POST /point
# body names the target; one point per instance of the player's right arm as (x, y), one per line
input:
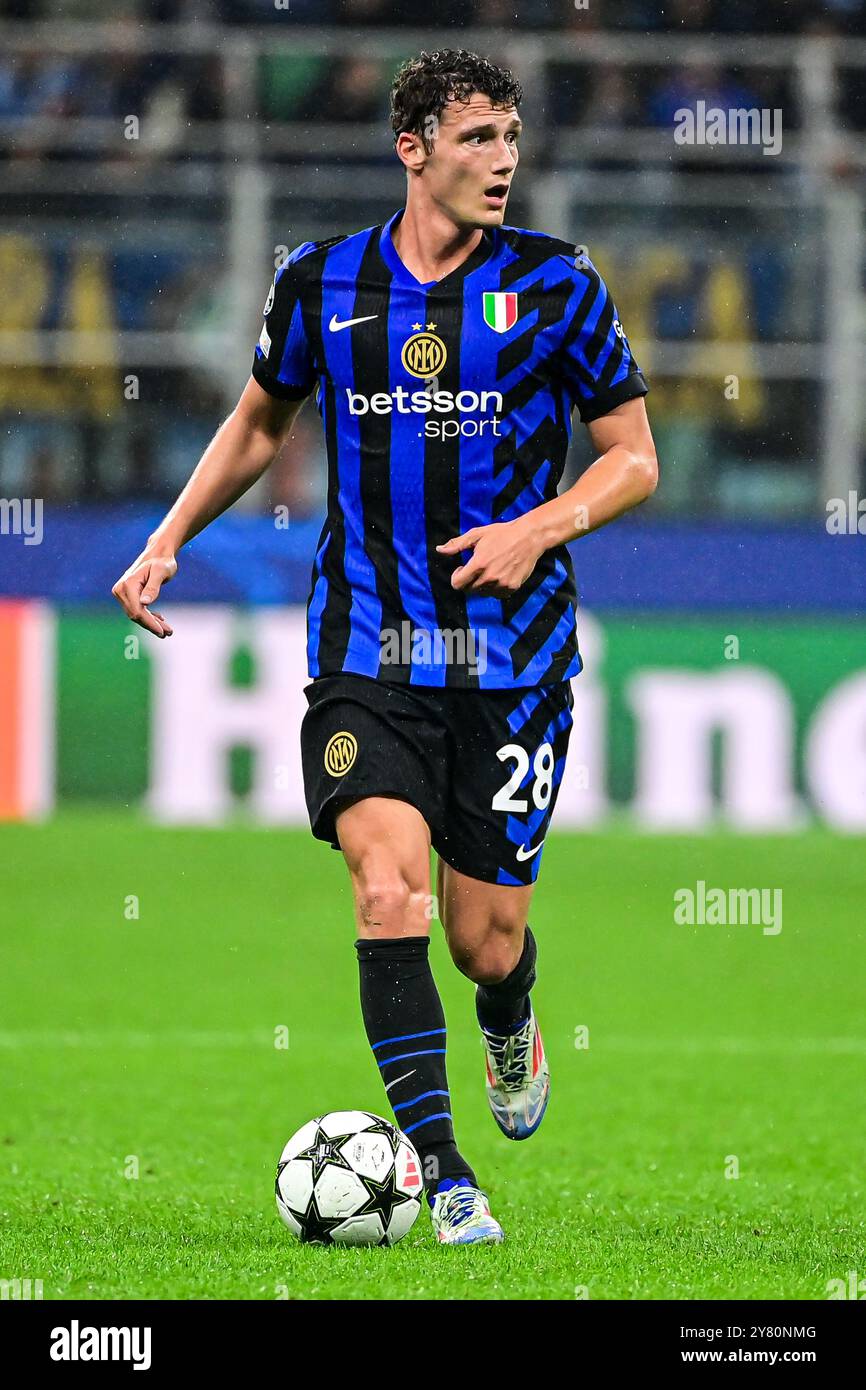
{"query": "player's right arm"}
(239, 453)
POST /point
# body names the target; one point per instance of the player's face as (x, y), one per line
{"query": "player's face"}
(473, 162)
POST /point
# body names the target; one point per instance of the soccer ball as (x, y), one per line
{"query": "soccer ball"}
(349, 1178)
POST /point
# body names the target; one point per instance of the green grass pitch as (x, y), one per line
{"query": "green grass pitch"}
(151, 1041)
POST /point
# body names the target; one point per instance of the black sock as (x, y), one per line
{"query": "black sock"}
(502, 1008)
(406, 1029)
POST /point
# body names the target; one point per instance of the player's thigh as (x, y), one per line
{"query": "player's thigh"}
(361, 739)
(484, 923)
(386, 845)
(507, 760)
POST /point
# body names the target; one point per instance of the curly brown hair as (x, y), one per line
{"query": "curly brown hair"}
(424, 85)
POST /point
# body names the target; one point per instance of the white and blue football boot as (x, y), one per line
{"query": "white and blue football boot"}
(518, 1079)
(461, 1215)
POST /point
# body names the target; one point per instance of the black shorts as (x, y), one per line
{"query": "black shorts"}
(482, 767)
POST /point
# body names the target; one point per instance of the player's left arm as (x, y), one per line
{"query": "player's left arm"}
(625, 473)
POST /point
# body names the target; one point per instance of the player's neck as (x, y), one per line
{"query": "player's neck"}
(430, 245)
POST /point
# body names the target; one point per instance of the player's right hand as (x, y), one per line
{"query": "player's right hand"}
(138, 588)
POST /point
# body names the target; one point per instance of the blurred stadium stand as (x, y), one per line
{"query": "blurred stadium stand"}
(159, 155)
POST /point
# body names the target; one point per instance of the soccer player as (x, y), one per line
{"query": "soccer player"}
(448, 352)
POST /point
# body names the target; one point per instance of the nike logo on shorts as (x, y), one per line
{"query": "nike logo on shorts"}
(524, 853)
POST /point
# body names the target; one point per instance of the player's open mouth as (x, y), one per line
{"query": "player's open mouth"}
(496, 194)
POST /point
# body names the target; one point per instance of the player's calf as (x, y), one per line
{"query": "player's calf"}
(518, 1077)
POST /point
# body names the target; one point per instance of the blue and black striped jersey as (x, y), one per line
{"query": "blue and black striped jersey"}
(445, 406)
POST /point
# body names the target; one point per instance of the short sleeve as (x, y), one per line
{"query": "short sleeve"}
(599, 368)
(283, 363)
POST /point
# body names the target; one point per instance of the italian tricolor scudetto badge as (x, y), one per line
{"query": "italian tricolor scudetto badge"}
(500, 311)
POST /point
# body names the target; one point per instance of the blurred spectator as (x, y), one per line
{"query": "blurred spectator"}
(286, 83)
(600, 96)
(499, 14)
(685, 86)
(613, 104)
(34, 84)
(361, 13)
(354, 91)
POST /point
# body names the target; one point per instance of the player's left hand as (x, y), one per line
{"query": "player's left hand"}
(504, 555)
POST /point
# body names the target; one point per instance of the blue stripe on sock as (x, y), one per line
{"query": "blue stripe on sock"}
(503, 1032)
(407, 1037)
(443, 1115)
(430, 1051)
(415, 1099)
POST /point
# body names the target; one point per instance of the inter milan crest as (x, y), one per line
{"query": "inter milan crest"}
(500, 311)
(424, 355)
(340, 753)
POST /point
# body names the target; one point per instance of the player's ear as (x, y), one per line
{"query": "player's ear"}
(410, 150)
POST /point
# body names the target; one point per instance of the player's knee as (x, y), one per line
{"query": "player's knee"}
(387, 904)
(493, 964)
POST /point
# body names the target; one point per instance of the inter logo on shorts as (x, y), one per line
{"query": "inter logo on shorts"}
(340, 752)
(500, 311)
(424, 354)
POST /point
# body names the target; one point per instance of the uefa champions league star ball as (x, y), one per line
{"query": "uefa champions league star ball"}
(349, 1178)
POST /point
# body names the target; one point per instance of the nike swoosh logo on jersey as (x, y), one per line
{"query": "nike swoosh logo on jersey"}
(524, 853)
(336, 324)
